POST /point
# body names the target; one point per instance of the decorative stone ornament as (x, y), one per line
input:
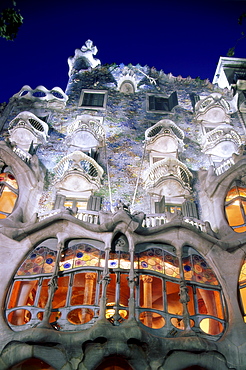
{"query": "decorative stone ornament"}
(83, 58)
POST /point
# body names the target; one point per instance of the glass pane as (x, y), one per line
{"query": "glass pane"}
(79, 255)
(40, 260)
(152, 259)
(111, 289)
(243, 298)
(84, 289)
(242, 192)
(209, 303)
(174, 305)
(68, 204)
(86, 255)
(232, 193)
(125, 261)
(124, 290)
(171, 265)
(113, 261)
(188, 268)
(211, 326)
(23, 293)
(151, 292)
(81, 205)
(242, 276)
(60, 295)
(240, 229)
(32, 364)
(19, 317)
(234, 214)
(201, 272)
(80, 316)
(49, 262)
(43, 294)
(67, 259)
(7, 200)
(9, 179)
(152, 319)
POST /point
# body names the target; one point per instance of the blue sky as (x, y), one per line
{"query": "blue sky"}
(182, 37)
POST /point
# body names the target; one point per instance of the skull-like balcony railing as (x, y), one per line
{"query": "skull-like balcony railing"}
(79, 163)
(162, 128)
(91, 126)
(26, 128)
(219, 135)
(167, 168)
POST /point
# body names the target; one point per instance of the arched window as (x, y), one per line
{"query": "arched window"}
(32, 364)
(160, 277)
(235, 207)
(76, 299)
(114, 363)
(242, 289)
(158, 292)
(8, 193)
(205, 293)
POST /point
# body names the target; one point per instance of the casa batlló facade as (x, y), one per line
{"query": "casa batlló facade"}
(123, 220)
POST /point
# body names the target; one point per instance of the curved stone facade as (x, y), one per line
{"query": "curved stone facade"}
(100, 271)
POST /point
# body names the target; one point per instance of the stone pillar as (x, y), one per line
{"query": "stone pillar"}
(147, 298)
(88, 294)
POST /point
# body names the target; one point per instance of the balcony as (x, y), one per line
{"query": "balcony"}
(222, 141)
(150, 220)
(86, 133)
(78, 172)
(164, 137)
(168, 177)
(26, 129)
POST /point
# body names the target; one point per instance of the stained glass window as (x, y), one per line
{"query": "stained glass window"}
(242, 288)
(197, 269)
(31, 287)
(159, 260)
(235, 208)
(8, 194)
(80, 255)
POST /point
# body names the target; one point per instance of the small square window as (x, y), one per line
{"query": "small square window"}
(93, 99)
(159, 103)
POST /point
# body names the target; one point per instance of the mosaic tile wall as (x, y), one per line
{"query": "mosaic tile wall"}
(125, 120)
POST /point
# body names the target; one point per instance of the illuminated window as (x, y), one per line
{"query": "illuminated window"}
(242, 289)
(76, 299)
(159, 291)
(8, 194)
(235, 208)
(206, 293)
(93, 99)
(31, 364)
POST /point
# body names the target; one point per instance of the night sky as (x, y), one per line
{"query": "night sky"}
(182, 37)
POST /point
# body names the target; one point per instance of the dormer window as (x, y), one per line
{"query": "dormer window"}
(160, 103)
(93, 99)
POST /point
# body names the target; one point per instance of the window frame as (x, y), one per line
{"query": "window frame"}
(94, 107)
(171, 101)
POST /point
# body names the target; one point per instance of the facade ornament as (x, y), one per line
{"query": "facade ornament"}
(26, 131)
(127, 83)
(40, 97)
(86, 54)
(213, 109)
(85, 132)
(152, 80)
